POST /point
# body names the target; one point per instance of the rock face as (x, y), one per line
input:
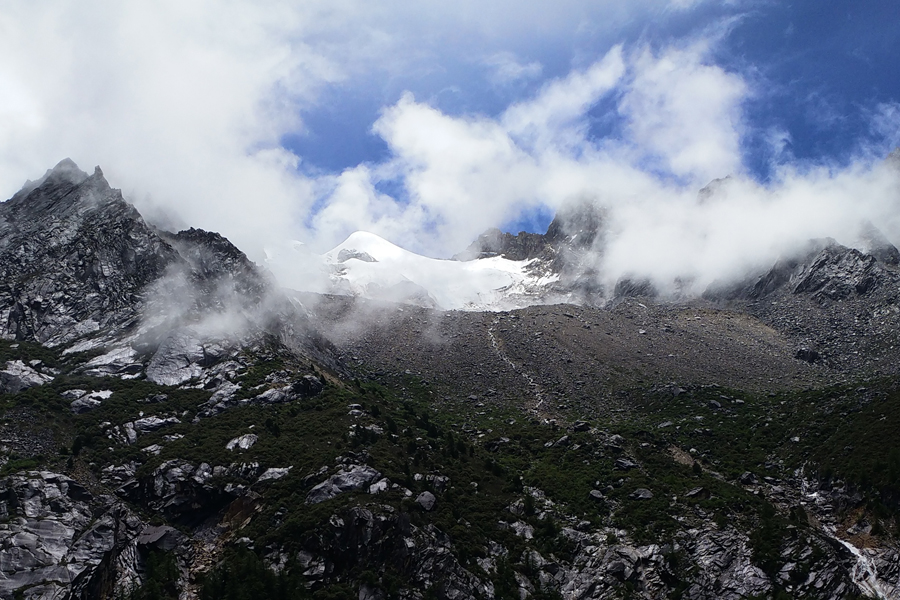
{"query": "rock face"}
(570, 248)
(354, 478)
(78, 262)
(18, 376)
(103, 253)
(374, 536)
(58, 541)
(825, 270)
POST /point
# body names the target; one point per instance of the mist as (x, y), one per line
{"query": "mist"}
(189, 110)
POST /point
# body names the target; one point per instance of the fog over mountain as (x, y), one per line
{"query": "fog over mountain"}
(219, 118)
(459, 301)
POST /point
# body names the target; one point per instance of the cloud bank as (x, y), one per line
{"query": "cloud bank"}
(187, 107)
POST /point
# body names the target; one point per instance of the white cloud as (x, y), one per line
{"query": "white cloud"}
(466, 173)
(686, 112)
(186, 105)
(886, 124)
(506, 69)
(545, 119)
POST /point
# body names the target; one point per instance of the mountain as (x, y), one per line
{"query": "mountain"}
(173, 424)
(498, 271)
(369, 266)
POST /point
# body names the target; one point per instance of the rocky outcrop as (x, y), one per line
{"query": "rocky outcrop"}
(373, 536)
(80, 266)
(102, 254)
(823, 270)
(493, 242)
(58, 541)
(17, 376)
(351, 479)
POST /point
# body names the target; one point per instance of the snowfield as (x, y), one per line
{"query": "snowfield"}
(369, 266)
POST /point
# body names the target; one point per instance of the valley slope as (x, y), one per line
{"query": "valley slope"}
(175, 425)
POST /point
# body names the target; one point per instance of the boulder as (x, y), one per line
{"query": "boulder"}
(641, 494)
(307, 386)
(243, 442)
(625, 464)
(17, 376)
(352, 479)
(274, 473)
(426, 500)
(153, 423)
(807, 355)
(699, 493)
(83, 405)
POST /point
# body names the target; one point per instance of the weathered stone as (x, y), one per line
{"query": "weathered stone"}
(699, 493)
(153, 423)
(625, 464)
(426, 500)
(274, 473)
(352, 479)
(17, 376)
(307, 386)
(641, 494)
(244, 442)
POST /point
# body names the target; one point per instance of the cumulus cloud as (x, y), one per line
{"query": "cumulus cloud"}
(466, 173)
(686, 112)
(187, 107)
(683, 127)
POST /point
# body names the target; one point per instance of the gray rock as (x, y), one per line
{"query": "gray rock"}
(177, 359)
(807, 354)
(83, 405)
(308, 386)
(17, 376)
(641, 494)
(153, 423)
(274, 473)
(354, 478)
(426, 500)
(699, 493)
(244, 442)
(625, 464)
(60, 539)
(274, 396)
(163, 537)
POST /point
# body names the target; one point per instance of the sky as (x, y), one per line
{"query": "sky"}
(428, 122)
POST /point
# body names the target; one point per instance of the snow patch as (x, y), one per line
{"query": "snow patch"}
(369, 266)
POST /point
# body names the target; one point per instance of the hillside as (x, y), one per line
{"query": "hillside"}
(175, 425)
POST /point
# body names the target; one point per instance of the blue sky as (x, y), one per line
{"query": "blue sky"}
(427, 122)
(821, 68)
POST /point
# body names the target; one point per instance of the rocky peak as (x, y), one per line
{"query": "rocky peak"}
(578, 224)
(214, 260)
(74, 257)
(822, 269)
(493, 242)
